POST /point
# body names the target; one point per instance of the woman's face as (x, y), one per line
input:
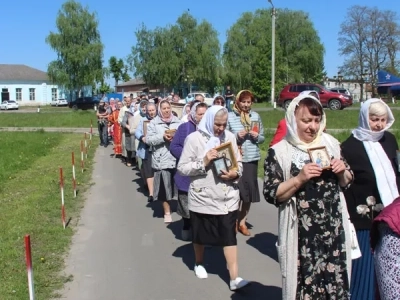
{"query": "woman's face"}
(377, 123)
(245, 104)
(187, 109)
(307, 124)
(219, 101)
(165, 109)
(220, 122)
(200, 111)
(151, 111)
(120, 105)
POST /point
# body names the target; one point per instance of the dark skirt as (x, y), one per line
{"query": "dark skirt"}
(148, 171)
(362, 286)
(248, 183)
(183, 205)
(214, 230)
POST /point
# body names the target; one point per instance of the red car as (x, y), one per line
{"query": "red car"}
(334, 101)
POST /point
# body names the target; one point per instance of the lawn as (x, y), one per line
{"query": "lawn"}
(72, 119)
(30, 204)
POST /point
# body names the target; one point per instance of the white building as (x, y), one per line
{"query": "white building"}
(354, 87)
(26, 85)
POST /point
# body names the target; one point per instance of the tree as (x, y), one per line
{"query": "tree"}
(369, 40)
(78, 47)
(247, 51)
(116, 67)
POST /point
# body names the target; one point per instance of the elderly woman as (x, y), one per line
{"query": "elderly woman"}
(129, 133)
(213, 198)
(313, 239)
(144, 151)
(248, 138)
(371, 153)
(186, 112)
(159, 138)
(136, 120)
(197, 111)
(219, 100)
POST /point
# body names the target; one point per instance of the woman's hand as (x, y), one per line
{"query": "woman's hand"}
(144, 139)
(210, 155)
(308, 172)
(241, 134)
(338, 166)
(167, 137)
(253, 134)
(231, 175)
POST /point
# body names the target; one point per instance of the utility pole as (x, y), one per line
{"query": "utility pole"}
(273, 14)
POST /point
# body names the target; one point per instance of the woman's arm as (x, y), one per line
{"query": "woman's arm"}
(152, 137)
(191, 162)
(139, 131)
(176, 146)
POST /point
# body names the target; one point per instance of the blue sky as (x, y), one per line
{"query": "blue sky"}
(25, 24)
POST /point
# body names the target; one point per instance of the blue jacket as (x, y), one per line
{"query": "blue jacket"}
(182, 182)
(142, 147)
(250, 149)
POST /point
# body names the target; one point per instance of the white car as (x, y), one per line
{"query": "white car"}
(208, 99)
(59, 102)
(10, 104)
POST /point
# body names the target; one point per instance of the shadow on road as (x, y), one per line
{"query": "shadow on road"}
(265, 243)
(258, 291)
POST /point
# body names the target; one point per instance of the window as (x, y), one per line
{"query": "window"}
(18, 94)
(302, 88)
(314, 88)
(32, 94)
(53, 94)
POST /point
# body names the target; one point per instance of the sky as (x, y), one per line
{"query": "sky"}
(24, 24)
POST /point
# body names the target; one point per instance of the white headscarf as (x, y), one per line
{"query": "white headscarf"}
(207, 126)
(383, 169)
(308, 92)
(292, 135)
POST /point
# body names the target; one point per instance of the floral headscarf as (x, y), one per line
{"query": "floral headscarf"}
(164, 119)
(244, 116)
(192, 114)
(147, 106)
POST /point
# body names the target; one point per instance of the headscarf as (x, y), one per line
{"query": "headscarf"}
(184, 113)
(244, 116)
(147, 106)
(166, 120)
(308, 92)
(143, 114)
(363, 132)
(206, 126)
(112, 104)
(384, 174)
(192, 114)
(292, 135)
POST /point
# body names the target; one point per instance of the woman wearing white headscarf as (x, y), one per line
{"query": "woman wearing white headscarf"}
(213, 198)
(313, 239)
(185, 113)
(371, 154)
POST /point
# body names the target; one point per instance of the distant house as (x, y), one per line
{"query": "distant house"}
(136, 86)
(26, 85)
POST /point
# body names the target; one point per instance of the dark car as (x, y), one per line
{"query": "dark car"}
(84, 103)
(328, 98)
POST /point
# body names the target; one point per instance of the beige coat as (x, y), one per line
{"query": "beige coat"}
(208, 194)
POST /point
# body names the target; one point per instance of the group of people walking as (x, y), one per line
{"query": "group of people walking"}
(339, 232)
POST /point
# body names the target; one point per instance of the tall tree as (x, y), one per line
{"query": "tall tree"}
(116, 67)
(369, 40)
(78, 47)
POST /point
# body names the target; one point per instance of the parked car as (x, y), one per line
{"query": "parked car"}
(333, 100)
(208, 99)
(59, 102)
(9, 104)
(84, 103)
(341, 90)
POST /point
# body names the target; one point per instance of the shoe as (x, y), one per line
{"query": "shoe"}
(244, 230)
(185, 235)
(238, 283)
(167, 218)
(200, 272)
(128, 165)
(150, 199)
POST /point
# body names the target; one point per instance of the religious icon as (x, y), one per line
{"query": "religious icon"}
(320, 156)
(226, 151)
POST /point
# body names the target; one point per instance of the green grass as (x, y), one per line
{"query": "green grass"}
(72, 119)
(46, 108)
(30, 204)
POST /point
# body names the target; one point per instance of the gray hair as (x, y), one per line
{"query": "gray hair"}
(222, 112)
(378, 109)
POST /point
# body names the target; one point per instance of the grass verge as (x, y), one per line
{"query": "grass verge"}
(30, 203)
(72, 119)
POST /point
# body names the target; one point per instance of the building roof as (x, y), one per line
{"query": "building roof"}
(134, 81)
(21, 73)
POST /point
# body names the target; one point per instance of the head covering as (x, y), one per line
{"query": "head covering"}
(192, 114)
(143, 114)
(147, 107)
(308, 92)
(363, 132)
(292, 135)
(384, 174)
(244, 116)
(184, 113)
(219, 96)
(206, 126)
(166, 120)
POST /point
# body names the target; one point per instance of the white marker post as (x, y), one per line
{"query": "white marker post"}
(28, 257)
(82, 163)
(73, 174)
(86, 146)
(62, 198)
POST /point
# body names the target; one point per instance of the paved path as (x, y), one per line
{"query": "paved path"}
(123, 251)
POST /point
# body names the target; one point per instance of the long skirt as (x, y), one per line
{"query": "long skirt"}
(214, 230)
(248, 183)
(362, 286)
(123, 145)
(183, 205)
(387, 263)
(117, 139)
(164, 184)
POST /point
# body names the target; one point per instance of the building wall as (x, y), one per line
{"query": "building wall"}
(353, 87)
(43, 92)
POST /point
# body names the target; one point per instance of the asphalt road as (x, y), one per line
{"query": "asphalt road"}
(122, 250)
